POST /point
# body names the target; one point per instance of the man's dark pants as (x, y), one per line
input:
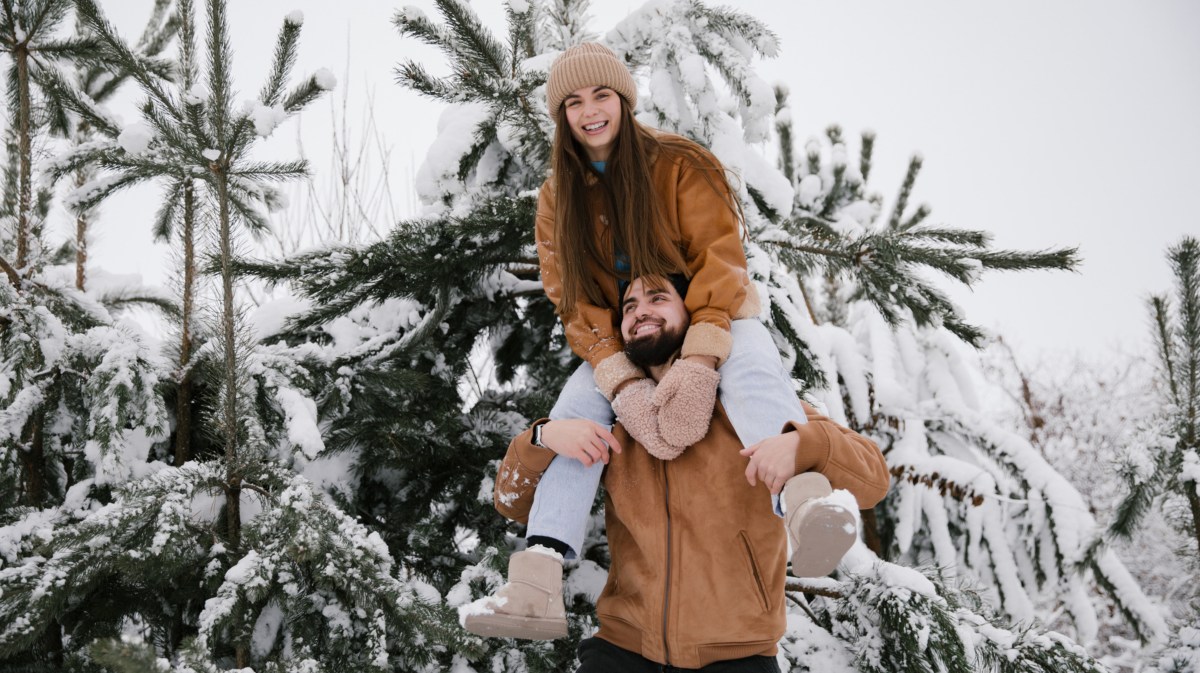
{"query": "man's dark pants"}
(600, 656)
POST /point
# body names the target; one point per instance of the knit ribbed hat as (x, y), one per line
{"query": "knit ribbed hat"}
(588, 64)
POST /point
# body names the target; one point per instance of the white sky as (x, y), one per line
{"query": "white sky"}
(1072, 122)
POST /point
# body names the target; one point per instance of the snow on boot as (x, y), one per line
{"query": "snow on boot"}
(820, 532)
(529, 606)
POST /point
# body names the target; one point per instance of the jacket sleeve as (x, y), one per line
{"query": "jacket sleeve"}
(590, 330)
(720, 288)
(519, 474)
(846, 458)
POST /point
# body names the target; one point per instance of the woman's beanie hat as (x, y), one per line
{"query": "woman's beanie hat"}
(588, 64)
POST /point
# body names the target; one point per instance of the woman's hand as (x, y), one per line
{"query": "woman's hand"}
(685, 397)
(581, 439)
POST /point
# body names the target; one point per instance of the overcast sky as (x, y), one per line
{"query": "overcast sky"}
(1048, 123)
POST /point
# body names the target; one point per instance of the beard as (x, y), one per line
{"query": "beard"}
(655, 349)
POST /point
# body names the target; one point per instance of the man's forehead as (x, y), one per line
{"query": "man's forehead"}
(638, 287)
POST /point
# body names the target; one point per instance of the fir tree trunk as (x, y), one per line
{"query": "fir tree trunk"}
(33, 460)
(233, 493)
(183, 403)
(81, 227)
(229, 410)
(25, 150)
(1194, 501)
(52, 646)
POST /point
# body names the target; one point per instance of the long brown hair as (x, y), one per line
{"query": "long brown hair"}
(634, 211)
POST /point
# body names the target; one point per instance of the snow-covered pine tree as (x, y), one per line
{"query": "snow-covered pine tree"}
(1161, 467)
(79, 405)
(233, 558)
(446, 346)
(971, 496)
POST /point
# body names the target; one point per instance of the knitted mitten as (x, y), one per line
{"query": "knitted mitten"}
(635, 410)
(685, 398)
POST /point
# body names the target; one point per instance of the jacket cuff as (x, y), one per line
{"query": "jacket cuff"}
(707, 339)
(533, 458)
(812, 455)
(751, 306)
(613, 371)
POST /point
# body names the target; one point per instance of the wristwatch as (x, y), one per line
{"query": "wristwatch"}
(537, 436)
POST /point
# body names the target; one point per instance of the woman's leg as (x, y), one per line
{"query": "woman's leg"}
(563, 499)
(755, 389)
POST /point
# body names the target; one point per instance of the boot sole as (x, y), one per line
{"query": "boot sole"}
(826, 541)
(512, 626)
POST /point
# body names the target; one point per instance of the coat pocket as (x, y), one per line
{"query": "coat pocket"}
(756, 574)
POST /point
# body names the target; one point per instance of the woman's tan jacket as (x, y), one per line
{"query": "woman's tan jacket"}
(705, 227)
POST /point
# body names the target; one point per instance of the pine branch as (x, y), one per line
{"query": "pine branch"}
(116, 49)
(1160, 308)
(1142, 490)
(303, 94)
(281, 66)
(412, 22)
(914, 167)
(865, 154)
(1185, 264)
(69, 97)
(271, 170)
(13, 276)
(783, 128)
(477, 50)
(125, 299)
(967, 237)
(414, 76)
(219, 84)
(168, 210)
(82, 49)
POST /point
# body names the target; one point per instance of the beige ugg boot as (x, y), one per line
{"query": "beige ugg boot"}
(529, 606)
(820, 532)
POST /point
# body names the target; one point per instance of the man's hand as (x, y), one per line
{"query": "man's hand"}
(685, 399)
(581, 439)
(772, 461)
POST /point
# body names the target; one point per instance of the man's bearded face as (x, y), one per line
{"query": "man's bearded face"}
(653, 322)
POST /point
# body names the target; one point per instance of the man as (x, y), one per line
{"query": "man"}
(698, 555)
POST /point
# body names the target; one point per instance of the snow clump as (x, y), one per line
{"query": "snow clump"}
(325, 79)
(295, 18)
(266, 118)
(135, 138)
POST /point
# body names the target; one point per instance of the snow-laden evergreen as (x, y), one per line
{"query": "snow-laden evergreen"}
(307, 486)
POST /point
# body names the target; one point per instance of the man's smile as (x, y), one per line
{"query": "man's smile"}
(647, 326)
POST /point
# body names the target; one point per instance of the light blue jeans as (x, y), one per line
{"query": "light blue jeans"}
(755, 390)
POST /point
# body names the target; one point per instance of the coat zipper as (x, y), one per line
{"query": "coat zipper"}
(667, 590)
